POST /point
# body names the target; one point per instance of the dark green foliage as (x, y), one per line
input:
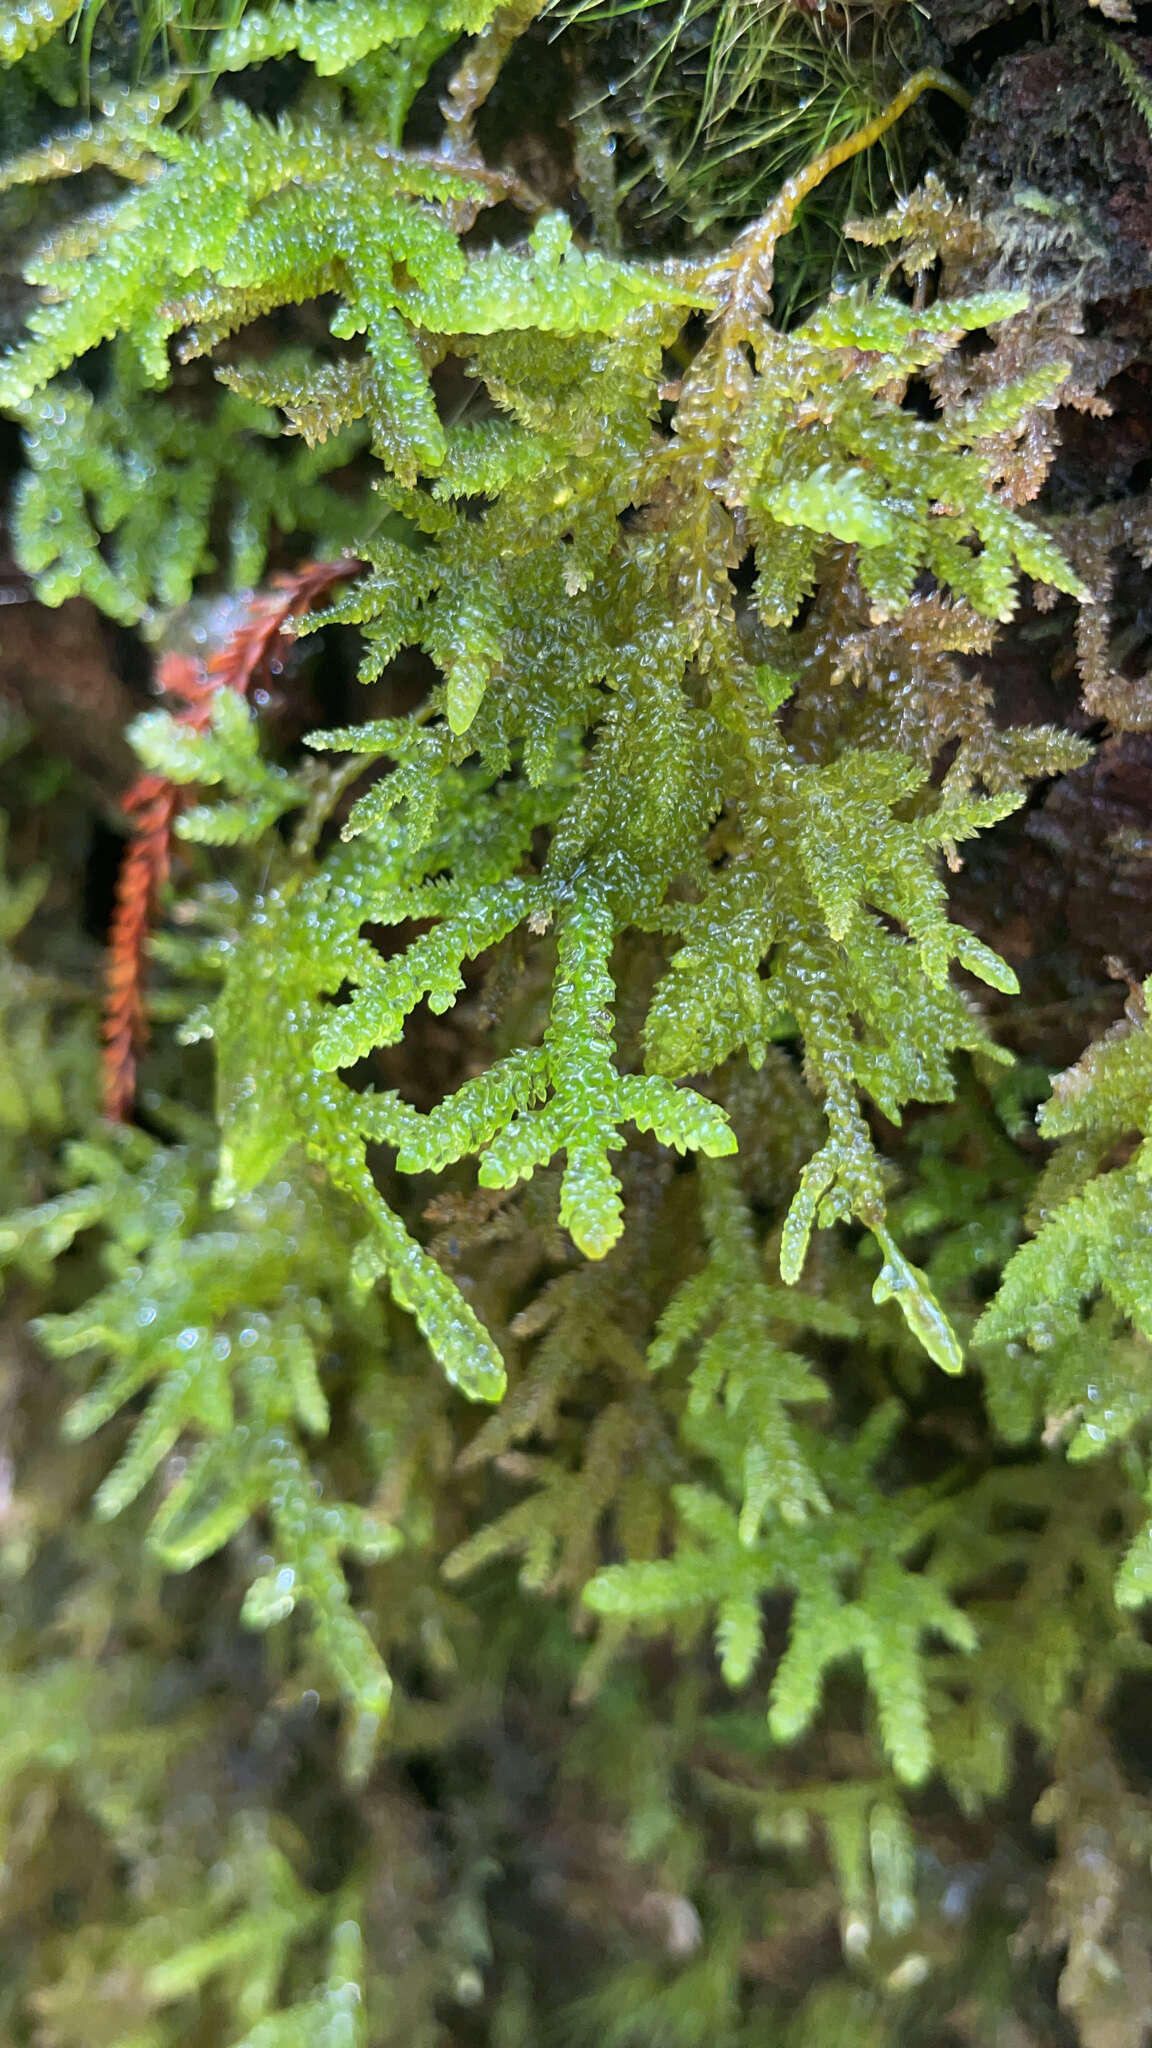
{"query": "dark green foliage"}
(594, 1039)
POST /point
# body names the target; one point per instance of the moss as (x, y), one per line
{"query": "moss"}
(583, 1486)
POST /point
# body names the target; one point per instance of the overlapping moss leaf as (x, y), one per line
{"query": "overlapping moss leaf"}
(226, 1328)
(659, 851)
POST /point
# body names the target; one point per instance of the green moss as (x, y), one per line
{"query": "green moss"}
(562, 1482)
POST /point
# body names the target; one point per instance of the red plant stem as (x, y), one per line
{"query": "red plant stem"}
(153, 805)
(248, 650)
